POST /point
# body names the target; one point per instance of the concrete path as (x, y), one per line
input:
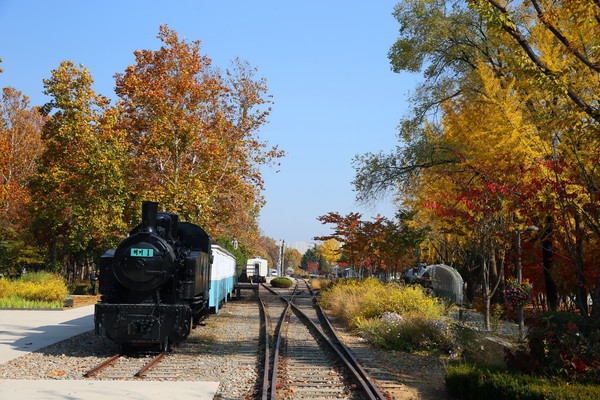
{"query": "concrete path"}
(24, 331)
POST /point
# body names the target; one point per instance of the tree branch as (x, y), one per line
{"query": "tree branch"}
(514, 32)
(594, 66)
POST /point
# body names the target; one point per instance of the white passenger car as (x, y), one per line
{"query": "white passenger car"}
(257, 269)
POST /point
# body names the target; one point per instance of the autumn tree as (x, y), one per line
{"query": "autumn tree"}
(506, 118)
(78, 189)
(20, 145)
(269, 249)
(379, 246)
(540, 29)
(291, 259)
(346, 230)
(330, 250)
(555, 47)
(400, 239)
(192, 130)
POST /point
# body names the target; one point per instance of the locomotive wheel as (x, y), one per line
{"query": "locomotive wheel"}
(182, 331)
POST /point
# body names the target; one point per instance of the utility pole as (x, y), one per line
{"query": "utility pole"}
(280, 265)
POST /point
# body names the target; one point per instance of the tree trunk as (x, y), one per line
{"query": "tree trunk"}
(485, 274)
(581, 290)
(496, 295)
(548, 262)
(470, 281)
(595, 314)
(486, 295)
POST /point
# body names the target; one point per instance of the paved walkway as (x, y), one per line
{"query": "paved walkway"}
(24, 331)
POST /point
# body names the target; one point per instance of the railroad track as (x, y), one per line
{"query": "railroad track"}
(119, 366)
(307, 360)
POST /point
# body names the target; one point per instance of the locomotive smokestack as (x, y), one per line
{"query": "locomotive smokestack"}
(149, 211)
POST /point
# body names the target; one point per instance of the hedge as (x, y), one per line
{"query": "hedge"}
(469, 382)
(282, 282)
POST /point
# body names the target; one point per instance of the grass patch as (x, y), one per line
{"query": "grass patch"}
(35, 290)
(19, 302)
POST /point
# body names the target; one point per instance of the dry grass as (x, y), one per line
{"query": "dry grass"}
(82, 301)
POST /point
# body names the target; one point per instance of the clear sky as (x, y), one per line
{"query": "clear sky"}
(325, 63)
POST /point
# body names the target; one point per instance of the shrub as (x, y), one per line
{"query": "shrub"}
(282, 282)
(320, 283)
(38, 286)
(390, 315)
(467, 381)
(38, 277)
(353, 301)
(561, 344)
(415, 332)
(78, 288)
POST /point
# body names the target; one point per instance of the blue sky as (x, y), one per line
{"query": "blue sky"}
(325, 63)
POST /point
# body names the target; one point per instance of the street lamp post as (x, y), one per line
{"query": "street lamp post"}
(519, 274)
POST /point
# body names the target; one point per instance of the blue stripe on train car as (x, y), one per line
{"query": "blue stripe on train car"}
(221, 291)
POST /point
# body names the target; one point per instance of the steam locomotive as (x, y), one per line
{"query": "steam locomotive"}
(161, 281)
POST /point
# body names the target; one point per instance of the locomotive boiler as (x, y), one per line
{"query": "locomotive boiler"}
(161, 281)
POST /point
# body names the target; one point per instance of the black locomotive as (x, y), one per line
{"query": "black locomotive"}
(155, 284)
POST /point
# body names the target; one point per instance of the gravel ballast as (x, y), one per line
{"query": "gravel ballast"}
(223, 348)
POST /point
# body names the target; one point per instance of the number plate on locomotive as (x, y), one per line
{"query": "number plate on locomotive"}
(142, 253)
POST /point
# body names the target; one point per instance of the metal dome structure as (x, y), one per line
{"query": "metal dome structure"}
(446, 282)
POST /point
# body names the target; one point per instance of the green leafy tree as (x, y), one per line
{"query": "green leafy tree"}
(309, 256)
(78, 190)
(240, 252)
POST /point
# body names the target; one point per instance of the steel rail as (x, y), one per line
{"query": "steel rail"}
(142, 372)
(323, 317)
(278, 336)
(267, 329)
(352, 365)
(101, 366)
(272, 383)
(349, 365)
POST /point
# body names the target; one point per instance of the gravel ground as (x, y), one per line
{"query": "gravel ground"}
(222, 349)
(475, 321)
(400, 375)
